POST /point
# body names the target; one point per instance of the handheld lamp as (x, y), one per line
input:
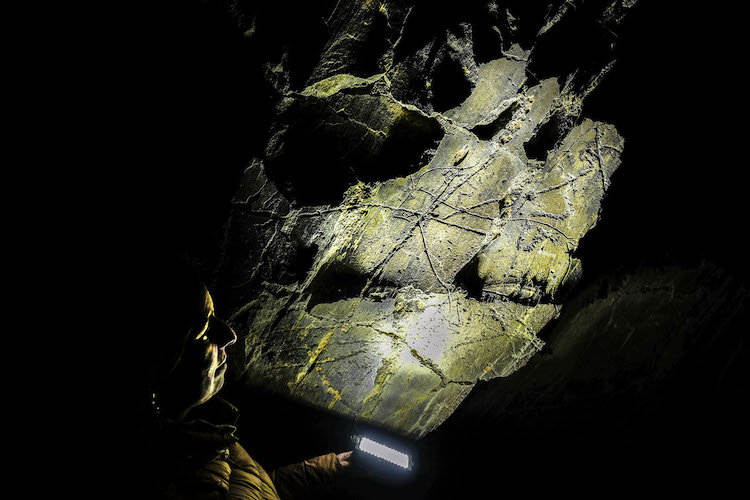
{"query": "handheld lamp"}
(383, 452)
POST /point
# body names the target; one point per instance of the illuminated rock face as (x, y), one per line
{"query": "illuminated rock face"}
(410, 231)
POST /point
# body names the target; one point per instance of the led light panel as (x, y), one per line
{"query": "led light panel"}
(383, 452)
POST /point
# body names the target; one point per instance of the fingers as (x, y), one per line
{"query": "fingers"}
(345, 458)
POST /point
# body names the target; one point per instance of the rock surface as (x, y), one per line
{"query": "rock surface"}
(624, 339)
(413, 221)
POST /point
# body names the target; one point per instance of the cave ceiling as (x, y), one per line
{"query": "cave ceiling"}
(411, 220)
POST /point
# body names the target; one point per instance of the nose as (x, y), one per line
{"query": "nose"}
(221, 333)
(227, 336)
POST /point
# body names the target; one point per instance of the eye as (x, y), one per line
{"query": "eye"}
(203, 335)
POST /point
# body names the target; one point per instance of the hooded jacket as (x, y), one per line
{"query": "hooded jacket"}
(203, 460)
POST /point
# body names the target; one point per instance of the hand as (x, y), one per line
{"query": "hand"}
(345, 459)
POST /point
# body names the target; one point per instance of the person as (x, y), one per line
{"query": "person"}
(191, 448)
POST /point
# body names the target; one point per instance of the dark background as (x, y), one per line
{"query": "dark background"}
(674, 94)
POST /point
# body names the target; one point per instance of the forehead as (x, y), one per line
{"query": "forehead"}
(207, 305)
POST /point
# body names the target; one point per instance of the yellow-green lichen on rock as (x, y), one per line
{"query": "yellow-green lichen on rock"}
(386, 256)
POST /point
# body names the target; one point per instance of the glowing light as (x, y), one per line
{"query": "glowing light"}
(384, 452)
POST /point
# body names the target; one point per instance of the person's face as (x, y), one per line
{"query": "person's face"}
(200, 372)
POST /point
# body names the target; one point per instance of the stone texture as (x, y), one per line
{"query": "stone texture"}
(627, 343)
(413, 222)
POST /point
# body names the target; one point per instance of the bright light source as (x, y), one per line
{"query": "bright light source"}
(383, 452)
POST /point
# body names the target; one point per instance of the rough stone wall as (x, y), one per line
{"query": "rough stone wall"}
(644, 368)
(620, 342)
(412, 223)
